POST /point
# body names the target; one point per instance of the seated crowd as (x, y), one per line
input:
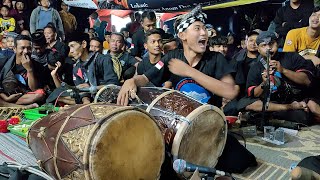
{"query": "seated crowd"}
(33, 66)
(37, 68)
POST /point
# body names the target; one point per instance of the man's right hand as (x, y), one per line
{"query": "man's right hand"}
(26, 62)
(264, 74)
(129, 88)
(11, 98)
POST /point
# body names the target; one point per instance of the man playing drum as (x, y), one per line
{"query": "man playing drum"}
(200, 74)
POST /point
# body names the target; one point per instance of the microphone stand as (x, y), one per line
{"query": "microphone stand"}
(74, 94)
(267, 94)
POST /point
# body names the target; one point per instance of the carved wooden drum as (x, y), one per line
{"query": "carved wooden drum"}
(193, 131)
(98, 141)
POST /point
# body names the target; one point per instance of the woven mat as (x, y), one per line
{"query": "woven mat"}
(12, 148)
(275, 161)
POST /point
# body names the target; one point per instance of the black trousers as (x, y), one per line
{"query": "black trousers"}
(312, 163)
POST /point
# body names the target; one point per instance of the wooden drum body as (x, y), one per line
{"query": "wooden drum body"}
(193, 131)
(98, 141)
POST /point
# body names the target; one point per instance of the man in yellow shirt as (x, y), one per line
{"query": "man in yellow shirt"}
(306, 40)
(106, 45)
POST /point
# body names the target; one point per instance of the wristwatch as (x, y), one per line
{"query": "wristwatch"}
(263, 85)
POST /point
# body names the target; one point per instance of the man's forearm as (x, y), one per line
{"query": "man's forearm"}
(140, 80)
(258, 91)
(297, 77)
(220, 88)
(32, 82)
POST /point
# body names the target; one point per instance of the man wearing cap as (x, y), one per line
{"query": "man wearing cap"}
(290, 77)
(201, 74)
(90, 69)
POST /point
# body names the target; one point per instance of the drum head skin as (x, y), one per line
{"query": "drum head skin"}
(202, 140)
(127, 146)
(98, 141)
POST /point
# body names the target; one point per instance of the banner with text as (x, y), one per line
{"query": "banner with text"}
(169, 5)
(81, 3)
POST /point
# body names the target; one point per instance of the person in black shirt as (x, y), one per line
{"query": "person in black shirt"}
(153, 44)
(244, 59)
(26, 71)
(241, 62)
(124, 64)
(95, 45)
(219, 44)
(200, 74)
(53, 42)
(90, 69)
(290, 76)
(148, 22)
(291, 16)
(192, 70)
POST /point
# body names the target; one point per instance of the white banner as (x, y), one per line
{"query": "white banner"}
(81, 3)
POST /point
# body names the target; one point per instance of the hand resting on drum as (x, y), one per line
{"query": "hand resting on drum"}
(129, 89)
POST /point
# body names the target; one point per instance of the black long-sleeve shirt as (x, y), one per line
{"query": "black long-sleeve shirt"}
(138, 42)
(293, 18)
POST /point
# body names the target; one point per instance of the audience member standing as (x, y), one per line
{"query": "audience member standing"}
(44, 14)
(148, 22)
(291, 16)
(134, 25)
(22, 16)
(69, 20)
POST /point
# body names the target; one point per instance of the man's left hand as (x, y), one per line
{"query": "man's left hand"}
(276, 65)
(180, 68)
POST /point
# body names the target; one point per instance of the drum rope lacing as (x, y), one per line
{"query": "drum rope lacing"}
(169, 115)
(133, 95)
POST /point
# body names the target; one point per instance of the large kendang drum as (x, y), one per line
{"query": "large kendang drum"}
(98, 141)
(192, 131)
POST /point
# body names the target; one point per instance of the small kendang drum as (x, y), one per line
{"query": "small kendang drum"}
(193, 131)
(98, 141)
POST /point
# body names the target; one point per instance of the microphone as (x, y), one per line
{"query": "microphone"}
(268, 53)
(91, 89)
(181, 166)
